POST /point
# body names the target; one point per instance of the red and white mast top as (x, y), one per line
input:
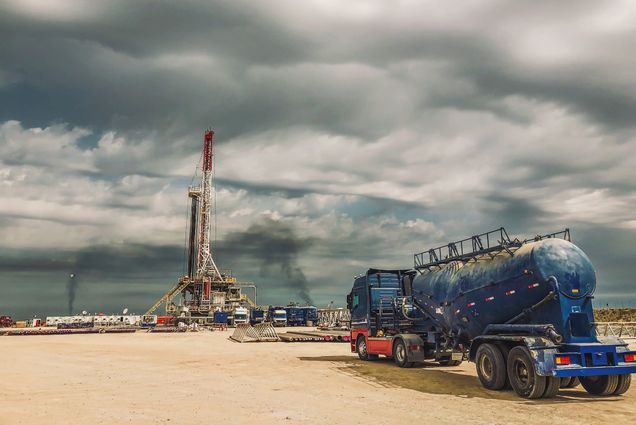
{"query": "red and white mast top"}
(205, 263)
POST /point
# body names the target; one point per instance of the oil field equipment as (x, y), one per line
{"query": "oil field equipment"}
(205, 289)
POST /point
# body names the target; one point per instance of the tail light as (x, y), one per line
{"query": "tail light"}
(630, 358)
(414, 347)
(562, 360)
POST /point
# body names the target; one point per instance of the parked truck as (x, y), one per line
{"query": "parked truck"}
(257, 315)
(241, 316)
(310, 315)
(295, 316)
(277, 316)
(521, 310)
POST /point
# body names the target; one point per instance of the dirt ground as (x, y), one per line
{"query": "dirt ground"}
(204, 378)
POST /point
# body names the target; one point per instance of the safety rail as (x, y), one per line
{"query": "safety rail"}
(617, 329)
(490, 243)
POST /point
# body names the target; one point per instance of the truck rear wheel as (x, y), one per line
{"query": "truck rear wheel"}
(624, 381)
(523, 378)
(491, 367)
(400, 355)
(600, 385)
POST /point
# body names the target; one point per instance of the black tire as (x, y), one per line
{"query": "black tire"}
(400, 356)
(491, 367)
(361, 348)
(505, 349)
(523, 378)
(552, 386)
(600, 385)
(449, 362)
(570, 382)
(624, 381)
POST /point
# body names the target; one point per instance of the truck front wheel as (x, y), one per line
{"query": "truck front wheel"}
(523, 378)
(399, 354)
(491, 367)
(600, 385)
(361, 348)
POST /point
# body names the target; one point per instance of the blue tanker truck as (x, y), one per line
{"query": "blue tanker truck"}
(521, 310)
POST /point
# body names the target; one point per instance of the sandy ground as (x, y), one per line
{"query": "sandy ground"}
(203, 378)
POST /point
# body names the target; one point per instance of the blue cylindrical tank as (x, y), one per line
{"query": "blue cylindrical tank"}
(464, 298)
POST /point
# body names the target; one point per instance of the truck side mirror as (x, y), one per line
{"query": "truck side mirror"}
(349, 302)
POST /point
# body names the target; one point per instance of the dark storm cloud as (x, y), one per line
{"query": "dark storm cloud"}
(171, 68)
(96, 270)
(516, 214)
(99, 261)
(276, 246)
(457, 120)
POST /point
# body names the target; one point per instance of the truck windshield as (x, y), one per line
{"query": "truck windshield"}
(280, 315)
(240, 316)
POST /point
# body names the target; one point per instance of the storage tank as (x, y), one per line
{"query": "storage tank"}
(464, 297)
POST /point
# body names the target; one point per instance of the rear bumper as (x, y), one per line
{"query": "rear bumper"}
(576, 370)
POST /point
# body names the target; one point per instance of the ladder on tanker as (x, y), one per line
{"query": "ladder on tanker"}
(484, 244)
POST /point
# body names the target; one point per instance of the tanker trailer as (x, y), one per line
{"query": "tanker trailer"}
(521, 310)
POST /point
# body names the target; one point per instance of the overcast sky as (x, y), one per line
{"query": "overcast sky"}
(350, 134)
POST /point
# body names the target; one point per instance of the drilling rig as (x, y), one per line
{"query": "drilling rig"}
(204, 289)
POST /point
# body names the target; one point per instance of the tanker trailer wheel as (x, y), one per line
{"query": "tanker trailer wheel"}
(624, 381)
(523, 378)
(399, 354)
(552, 385)
(491, 367)
(571, 382)
(600, 385)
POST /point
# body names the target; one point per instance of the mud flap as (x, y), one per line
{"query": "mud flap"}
(542, 351)
(412, 341)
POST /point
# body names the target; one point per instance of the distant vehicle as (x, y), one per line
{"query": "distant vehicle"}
(278, 317)
(241, 316)
(310, 315)
(34, 323)
(149, 321)
(257, 315)
(6, 322)
(220, 317)
(295, 316)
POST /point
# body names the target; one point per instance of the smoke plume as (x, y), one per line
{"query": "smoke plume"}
(71, 286)
(276, 246)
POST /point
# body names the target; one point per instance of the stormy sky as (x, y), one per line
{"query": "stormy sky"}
(350, 134)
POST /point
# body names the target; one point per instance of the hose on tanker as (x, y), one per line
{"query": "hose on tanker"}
(446, 331)
(552, 295)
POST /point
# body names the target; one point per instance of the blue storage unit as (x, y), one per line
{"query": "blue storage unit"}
(220, 317)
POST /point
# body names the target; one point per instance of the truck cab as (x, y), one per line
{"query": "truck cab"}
(384, 323)
(279, 317)
(241, 316)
